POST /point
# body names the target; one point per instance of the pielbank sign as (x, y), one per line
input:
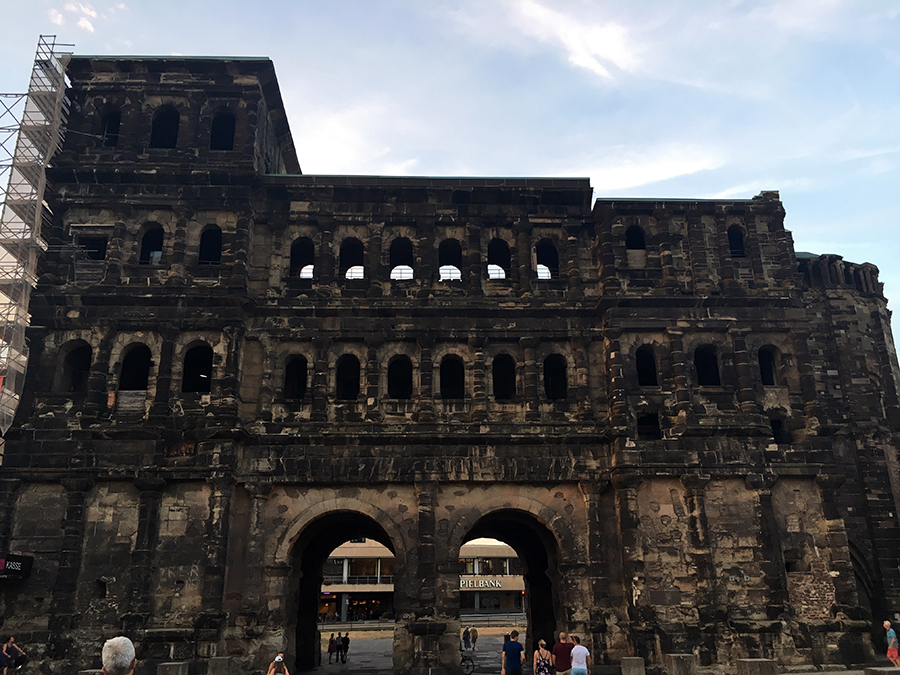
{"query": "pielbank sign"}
(15, 566)
(488, 583)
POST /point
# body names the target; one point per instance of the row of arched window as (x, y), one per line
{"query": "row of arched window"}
(165, 125)
(636, 240)
(706, 366)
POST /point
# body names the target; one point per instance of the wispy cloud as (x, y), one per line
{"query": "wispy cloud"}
(55, 17)
(84, 24)
(80, 8)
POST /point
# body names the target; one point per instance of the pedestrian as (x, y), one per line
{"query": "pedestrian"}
(511, 657)
(581, 657)
(331, 647)
(473, 635)
(892, 653)
(562, 655)
(467, 644)
(346, 647)
(541, 664)
(117, 656)
(338, 647)
(277, 666)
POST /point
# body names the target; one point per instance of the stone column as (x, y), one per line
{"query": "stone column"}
(606, 252)
(145, 546)
(530, 370)
(841, 567)
(626, 484)
(374, 274)
(479, 379)
(179, 246)
(63, 608)
(573, 271)
(680, 379)
(255, 559)
(618, 402)
(699, 264)
(472, 259)
(597, 600)
(164, 379)
(426, 380)
(523, 249)
(667, 258)
(582, 378)
(325, 257)
(320, 381)
(217, 545)
(726, 261)
(9, 493)
(770, 543)
(699, 549)
(97, 399)
(373, 371)
(746, 394)
(115, 253)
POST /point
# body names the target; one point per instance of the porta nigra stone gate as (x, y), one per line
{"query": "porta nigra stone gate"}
(686, 429)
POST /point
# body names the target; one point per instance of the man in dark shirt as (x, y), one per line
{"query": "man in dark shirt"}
(511, 657)
(562, 655)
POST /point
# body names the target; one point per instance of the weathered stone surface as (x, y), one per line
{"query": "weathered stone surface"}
(681, 664)
(757, 667)
(173, 668)
(632, 665)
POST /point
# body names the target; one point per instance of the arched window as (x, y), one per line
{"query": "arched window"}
(450, 260)
(164, 133)
(221, 135)
(767, 368)
(210, 246)
(453, 378)
(498, 259)
(352, 259)
(634, 239)
(151, 246)
(503, 374)
(645, 361)
(347, 378)
(197, 376)
(109, 128)
(295, 378)
(402, 260)
(547, 260)
(736, 241)
(848, 275)
(707, 366)
(303, 256)
(648, 428)
(76, 368)
(135, 369)
(555, 378)
(780, 431)
(400, 378)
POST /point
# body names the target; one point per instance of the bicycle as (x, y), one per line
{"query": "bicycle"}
(466, 663)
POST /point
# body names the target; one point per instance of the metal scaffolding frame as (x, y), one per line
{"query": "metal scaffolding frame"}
(31, 131)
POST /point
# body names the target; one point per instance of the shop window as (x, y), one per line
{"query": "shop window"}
(401, 259)
(76, 368)
(347, 378)
(135, 369)
(210, 246)
(164, 133)
(555, 379)
(109, 128)
(450, 260)
(767, 366)
(400, 378)
(547, 260)
(736, 241)
(352, 259)
(151, 247)
(303, 254)
(499, 263)
(645, 362)
(503, 375)
(648, 428)
(295, 377)
(453, 378)
(707, 365)
(94, 248)
(634, 239)
(221, 136)
(197, 376)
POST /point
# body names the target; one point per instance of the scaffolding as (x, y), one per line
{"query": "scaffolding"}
(31, 131)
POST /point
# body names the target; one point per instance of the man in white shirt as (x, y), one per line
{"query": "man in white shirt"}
(581, 657)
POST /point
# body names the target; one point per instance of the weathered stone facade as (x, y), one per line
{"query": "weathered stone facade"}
(686, 430)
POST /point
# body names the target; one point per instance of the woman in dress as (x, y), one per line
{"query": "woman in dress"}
(541, 663)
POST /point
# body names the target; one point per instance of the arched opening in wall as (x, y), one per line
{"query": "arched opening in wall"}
(295, 378)
(767, 366)
(197, 376)
(707, 366)
(303, 257)
(858, 281)
(109, 128)
(135, 371)
(503, 377)
(499, 261)
(848, 275)
(352, 259)
(221, 133)
(736, 241)
(453, 378)
(645, 362)
(210, 252)
(151, 246)
(400, 378)
(529, 583)
(636, 247)
(401, 259)
(450, 260)
(76, 367)
(339, 550)
(780, 430)
(347, 378)
(164, 132)
(547, 260)
(556, 382)
(869, 594)
(648, 427)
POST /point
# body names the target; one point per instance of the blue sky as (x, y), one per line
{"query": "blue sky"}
(668, 98)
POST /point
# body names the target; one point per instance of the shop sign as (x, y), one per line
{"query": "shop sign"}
(480, 583)
(15, 566)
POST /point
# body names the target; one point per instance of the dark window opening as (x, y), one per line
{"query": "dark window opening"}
(151, 247)
(210, 247)
(503, 374)
(94, 247)
(767, 366)
(164, 133)
(303, 255)
(453, 378)
(634, 239)
(450, 260)
(848, 276)
(499, 262)
(401, 259)
(75, 370)
(352, 259)
(707, 366)
(400, 378)
(347, 378)
(295, 378)
(99, 589)
(648, 428)
(547, 260)
(135, 369)
(555, 380)
(109, 129)
(736, 241)
(221, 135)
(780, 432)
(645, 362)
(198, 364)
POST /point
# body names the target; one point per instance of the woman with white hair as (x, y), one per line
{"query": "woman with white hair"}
(118, 656)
